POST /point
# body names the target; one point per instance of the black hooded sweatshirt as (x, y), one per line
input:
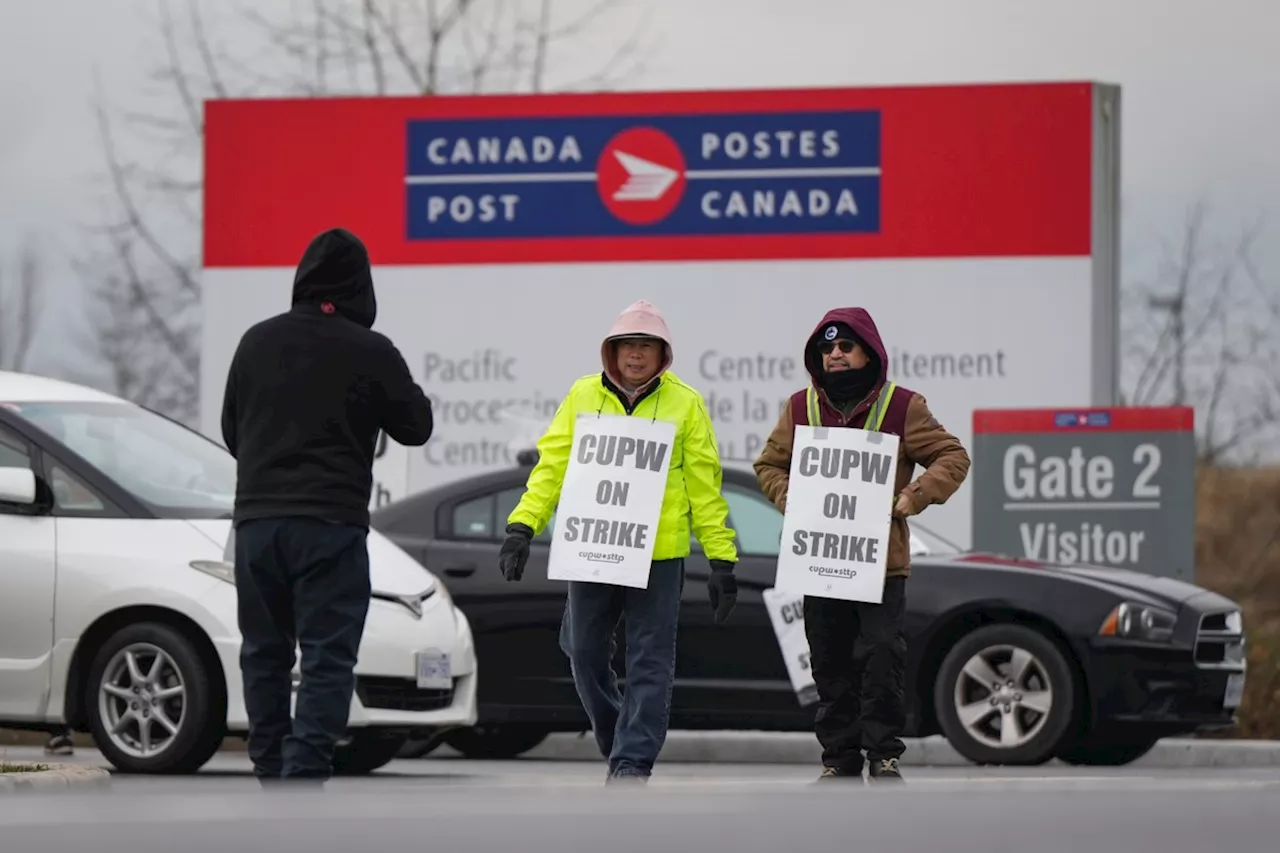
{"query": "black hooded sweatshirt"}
(309, 389)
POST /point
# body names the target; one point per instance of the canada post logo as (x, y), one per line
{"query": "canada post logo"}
(1069, 420)
(746, 174)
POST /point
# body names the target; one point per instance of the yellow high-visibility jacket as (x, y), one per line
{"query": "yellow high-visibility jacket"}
(692, 497)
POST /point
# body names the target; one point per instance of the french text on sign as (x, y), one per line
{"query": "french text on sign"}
(611, 500)
(837, 522)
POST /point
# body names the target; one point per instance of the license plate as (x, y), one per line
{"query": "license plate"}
(1235, 691)
(434, 672)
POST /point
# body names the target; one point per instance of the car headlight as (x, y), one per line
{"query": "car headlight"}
(1139, 622)
(219, 569)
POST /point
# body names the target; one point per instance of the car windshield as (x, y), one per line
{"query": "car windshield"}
(176, 472)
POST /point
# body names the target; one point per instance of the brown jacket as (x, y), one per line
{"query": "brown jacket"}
(924, 442)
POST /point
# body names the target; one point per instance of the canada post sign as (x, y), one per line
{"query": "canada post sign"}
(703, 175)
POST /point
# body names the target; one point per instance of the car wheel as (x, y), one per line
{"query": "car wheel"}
(151, 702)
(1106, 748)
(365, 750)
(420, 744)
(1005, 695)
(495, 742)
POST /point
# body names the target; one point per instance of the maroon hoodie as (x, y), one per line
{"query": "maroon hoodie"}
(924, 441)
(865, 328)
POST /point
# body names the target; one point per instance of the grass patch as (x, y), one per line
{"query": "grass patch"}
(1238, 555)
(22, 768)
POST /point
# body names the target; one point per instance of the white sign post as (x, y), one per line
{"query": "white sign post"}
(611, 500)
(786, 612)
(835, 534)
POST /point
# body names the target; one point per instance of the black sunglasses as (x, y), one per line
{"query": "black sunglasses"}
(845, 346)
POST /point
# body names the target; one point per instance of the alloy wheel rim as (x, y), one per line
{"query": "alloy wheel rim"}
(1003, 696)
(142, 700)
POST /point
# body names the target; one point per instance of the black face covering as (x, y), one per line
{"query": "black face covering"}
(850, 386)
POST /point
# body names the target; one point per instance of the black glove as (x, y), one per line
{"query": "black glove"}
(515, 551)
(723, 589)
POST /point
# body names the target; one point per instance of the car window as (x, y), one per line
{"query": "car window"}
(473, 519)
(13, 454)
(505, 501)
(175, 471)
(13, 450)
(485, 516)
(757, 522)
(71, 496)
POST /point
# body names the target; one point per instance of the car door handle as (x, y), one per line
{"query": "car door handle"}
(461, 571)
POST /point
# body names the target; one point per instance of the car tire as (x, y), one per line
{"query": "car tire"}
(176, 686)
(1040, 702)
(365, 750)
(495, 742)
(1106, 748)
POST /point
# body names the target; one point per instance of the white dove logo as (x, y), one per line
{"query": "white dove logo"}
(646, 180)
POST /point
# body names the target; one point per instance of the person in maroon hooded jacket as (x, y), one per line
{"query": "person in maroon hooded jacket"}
(862, 700)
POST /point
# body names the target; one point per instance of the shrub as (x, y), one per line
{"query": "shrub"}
(1238, 555)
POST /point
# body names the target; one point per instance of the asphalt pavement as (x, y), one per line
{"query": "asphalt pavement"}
(532, 806)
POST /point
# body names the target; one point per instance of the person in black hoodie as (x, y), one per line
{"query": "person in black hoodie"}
(307, 392)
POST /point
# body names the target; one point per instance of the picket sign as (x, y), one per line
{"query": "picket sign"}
(611, 500)
(835, 533)
(786, 612)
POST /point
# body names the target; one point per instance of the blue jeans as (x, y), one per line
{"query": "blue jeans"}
(303, 582)
(631, 727)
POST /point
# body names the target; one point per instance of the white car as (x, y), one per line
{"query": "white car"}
(118, 612)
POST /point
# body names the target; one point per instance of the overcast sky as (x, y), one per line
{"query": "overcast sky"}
(1201, 89)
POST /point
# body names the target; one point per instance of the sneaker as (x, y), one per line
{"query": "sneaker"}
(885, 770)
(830, 774)
(626, 777)
(60, 744)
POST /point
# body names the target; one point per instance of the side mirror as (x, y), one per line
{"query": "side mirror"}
(18, 486)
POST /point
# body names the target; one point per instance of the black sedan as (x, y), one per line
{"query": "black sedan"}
(1015, 662)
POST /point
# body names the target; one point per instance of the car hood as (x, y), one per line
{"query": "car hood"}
(391, 570)
(1168, 589)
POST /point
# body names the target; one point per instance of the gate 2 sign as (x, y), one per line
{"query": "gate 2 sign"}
(1107, 487)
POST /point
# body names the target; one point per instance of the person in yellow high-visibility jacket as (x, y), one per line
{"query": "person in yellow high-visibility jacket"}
(631, 728)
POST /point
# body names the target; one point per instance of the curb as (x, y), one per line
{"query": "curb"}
(58, 777)
(691, 747)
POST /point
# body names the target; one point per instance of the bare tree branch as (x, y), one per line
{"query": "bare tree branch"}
(390, 31)
(205, 50)
(371, 45)
(142, 270)
(1216, 347)
(21, 307)
(120, 178)
(176, 74)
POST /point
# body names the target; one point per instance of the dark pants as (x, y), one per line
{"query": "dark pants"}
(859, 656)
(300, 582)
(630, 728)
